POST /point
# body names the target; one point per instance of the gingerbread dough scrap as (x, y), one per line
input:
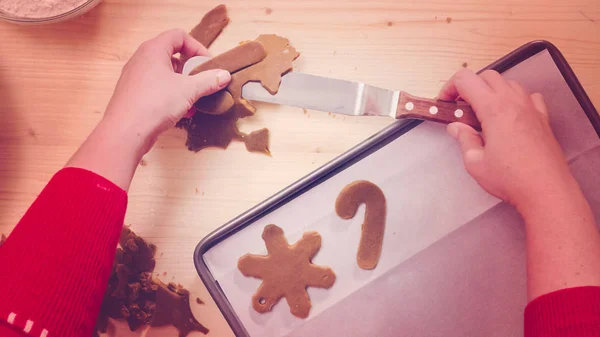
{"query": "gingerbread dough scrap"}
(286, 271)
(204, 130)
(258, 141)
(235, 59)
(371, 240)
(211, 25)
(279, 59)
(134, 296)
(173, 308)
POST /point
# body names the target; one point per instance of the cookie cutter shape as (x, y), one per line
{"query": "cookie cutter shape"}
(286, 271)
(371, 240)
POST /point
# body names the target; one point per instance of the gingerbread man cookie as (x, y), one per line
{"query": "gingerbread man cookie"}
(286, 271)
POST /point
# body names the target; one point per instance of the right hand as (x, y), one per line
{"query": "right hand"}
(517, 157)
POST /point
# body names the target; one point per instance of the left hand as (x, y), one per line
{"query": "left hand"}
(151, 96)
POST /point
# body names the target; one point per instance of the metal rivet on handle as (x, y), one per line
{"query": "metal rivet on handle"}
(409, 106)
(458, 113)
(433, 110)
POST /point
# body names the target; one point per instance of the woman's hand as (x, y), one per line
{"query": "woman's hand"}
(150, 97)
(516, 158)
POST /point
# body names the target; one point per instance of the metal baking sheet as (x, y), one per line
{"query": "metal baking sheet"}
(453, 256)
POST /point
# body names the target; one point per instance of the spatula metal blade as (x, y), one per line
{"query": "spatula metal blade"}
(327, 94)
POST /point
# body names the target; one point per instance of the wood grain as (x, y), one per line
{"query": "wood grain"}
(55, 82)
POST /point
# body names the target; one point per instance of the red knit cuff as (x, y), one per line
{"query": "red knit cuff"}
(573, 312)
(56, 263)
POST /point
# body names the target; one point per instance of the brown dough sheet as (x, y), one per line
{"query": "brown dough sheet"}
(286, 271)
(346, 205)
(211, 25)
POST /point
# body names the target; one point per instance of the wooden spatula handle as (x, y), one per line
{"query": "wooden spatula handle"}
(410, 106)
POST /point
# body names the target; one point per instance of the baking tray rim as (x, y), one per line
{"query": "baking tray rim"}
(355, 154)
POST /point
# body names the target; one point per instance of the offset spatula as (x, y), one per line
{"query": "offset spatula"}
(351, 98)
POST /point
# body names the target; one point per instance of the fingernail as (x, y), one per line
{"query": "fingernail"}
(223, 78)
(452, 129)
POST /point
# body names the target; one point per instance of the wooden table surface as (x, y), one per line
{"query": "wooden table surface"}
(55, 82)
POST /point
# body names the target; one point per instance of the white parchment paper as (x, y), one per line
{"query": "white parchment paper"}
(428, 194)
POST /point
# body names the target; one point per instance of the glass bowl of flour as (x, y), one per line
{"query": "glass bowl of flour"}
(43, 11)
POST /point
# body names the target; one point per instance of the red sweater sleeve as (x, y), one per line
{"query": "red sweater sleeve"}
(55, 265)
(572, 312)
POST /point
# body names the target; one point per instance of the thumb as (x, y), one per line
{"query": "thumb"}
(206, 83)
(471, 145)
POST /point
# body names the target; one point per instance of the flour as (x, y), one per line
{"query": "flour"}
(38, 9)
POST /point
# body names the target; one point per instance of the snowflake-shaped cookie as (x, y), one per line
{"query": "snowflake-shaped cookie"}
(286, 271)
